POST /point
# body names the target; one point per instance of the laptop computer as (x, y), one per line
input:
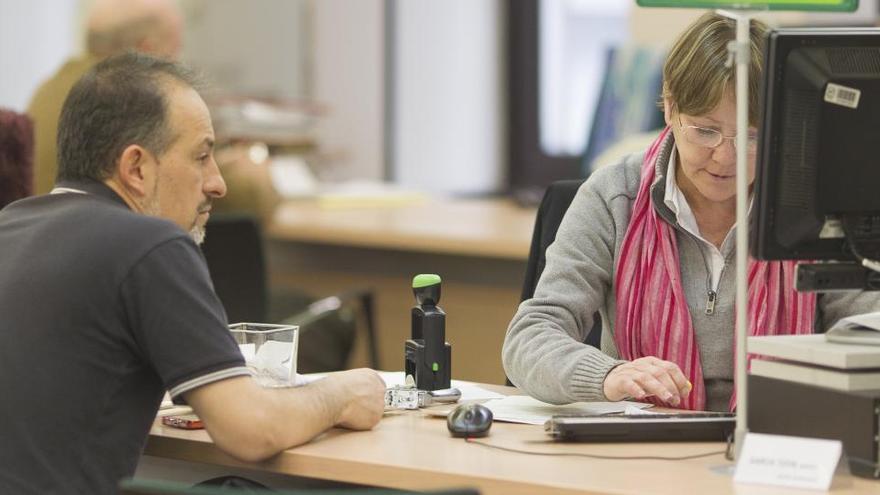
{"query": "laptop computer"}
(672, 427)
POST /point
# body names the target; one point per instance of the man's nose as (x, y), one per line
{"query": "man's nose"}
(215, 186)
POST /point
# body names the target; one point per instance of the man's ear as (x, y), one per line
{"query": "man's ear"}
(136, 170)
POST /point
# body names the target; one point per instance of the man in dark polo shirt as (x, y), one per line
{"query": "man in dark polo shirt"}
(106, 302)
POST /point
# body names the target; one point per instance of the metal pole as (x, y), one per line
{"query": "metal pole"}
(741, 51)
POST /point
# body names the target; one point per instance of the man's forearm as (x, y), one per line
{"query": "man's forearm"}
(297, 415)
(252, 423)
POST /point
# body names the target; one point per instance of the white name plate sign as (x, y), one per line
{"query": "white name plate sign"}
(794, 462)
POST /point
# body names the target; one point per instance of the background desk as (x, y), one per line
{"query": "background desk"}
(408, 450)
(478, 247)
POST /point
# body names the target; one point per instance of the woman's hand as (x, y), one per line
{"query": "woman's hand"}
(645, 377)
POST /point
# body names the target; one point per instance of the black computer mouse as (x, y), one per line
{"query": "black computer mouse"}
(469, 420)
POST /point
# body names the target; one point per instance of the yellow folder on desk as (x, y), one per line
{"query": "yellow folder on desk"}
(362, 194)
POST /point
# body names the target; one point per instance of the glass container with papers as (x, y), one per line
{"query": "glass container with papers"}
(269, 351)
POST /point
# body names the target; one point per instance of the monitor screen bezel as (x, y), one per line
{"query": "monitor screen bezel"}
(779, 44)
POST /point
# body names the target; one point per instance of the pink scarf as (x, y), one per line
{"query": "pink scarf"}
(652, 314)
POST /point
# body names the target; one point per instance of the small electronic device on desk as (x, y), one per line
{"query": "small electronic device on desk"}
(184, 421)
(428, 357)
(407, 396)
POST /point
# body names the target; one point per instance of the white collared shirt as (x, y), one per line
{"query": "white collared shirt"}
(675, 200)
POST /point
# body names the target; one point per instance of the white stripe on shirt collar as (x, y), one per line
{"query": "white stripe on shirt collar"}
(62, 190)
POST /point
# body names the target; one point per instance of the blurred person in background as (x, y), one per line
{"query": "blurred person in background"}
(16, 156)
(153, 27)
(113, 26)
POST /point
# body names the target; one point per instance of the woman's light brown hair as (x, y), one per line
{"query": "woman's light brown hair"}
(695, 76)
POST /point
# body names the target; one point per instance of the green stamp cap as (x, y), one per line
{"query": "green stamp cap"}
(425, 279)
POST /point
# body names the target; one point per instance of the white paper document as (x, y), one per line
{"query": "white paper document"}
(856, 329)
(272, 363)
(248, 351)
(473, 392)
(638, 409)
(869, 320)
(525, 409)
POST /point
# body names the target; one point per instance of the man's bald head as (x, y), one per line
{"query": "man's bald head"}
(148, 26)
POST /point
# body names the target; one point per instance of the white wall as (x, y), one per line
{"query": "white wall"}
(254, 47)
(448, 122)
(36, 36)
(347, 68)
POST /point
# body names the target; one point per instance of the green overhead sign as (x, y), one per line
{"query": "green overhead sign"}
(828, 5)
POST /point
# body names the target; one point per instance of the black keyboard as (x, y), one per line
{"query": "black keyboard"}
(705, 414)
(688, 427)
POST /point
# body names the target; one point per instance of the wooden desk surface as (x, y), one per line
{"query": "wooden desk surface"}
(493, 228)
(410, 450)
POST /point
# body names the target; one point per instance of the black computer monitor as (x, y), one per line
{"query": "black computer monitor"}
(818, 161)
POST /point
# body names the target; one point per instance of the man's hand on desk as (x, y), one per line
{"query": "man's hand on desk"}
(645, 377)
(366, 391)
(253, 423)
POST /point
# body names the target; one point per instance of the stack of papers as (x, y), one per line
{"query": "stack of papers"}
(857, 329)
(527, 410)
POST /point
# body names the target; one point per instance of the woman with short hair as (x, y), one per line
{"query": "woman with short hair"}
(649, 242)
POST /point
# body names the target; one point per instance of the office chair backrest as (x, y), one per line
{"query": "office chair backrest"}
(555, 203)
(233, 248)
(16, 156)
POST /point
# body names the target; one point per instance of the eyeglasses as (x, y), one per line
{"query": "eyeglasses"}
(711, 138)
